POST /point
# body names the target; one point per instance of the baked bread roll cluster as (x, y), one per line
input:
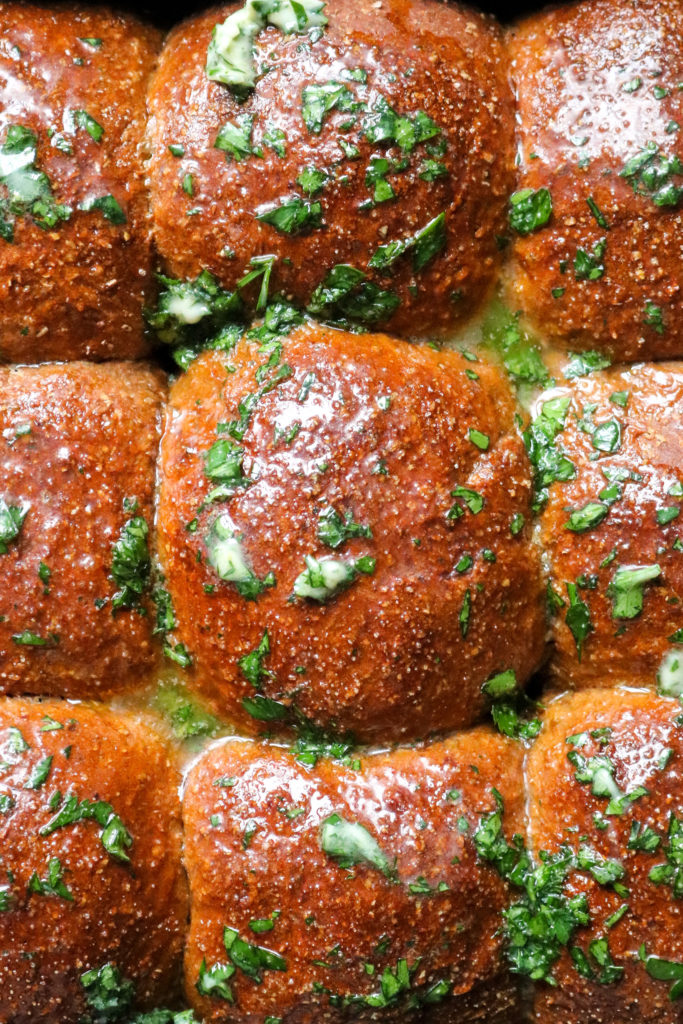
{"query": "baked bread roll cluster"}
(341, 639)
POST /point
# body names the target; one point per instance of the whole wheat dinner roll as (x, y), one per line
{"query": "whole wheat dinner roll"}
(597, 210)
(344, 527)
(79, 444)
(75, 233)
(93, 897)
(610, 450)
(605, 792)
(348, 887)
(366, 155)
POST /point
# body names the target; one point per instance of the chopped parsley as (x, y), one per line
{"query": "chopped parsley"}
(130, 564)
(196, 314)
(671, 872)
(587, 517)
(597, 213)
(549, 462)
(583, 363)
(589, 266)
(11, 521)
(317, 101)
(606, 437)
(312, 180)
(506, 700)
(654, 317)
(312, 744)
(27, 638)
(473, 500)
(598, 965)
(664, 970)
(598, 773)
(667, 515)
(606, 872)
(642, 837)
(479, 439)
(261, 267)
(334, 529)
(107, 993)
(542, 922)
(39, 773)
(381, 124)
(251, 664)
(293, 216)
(251, 960)
(82, 119)
(213, 981)
(274, 138)
(650, 173)
(626, 589)
(165, 623)
(517, 523)
(265, 709)
(375, 178)
(108, 206)
(114, 835)
(530, 210)
(464, 613)
(53, 884)
(431, 170)
(425, 244)
(345, 295)
(578, 618)
(223, 464)
(234, 138)
(520, 354)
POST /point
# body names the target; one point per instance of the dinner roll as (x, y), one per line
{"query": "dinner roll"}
(596, 215)
(610, 448)
(344, 530)
(369, 165)
(80, 443)
(75, 238)
(605, 790)
(93, 897)
(348, 887)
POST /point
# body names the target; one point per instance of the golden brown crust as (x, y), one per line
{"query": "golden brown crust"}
(77, 289)
(77, 440)
(384, 438)
(638, 733)
(420, 56)
(253, 819)
(596, 83)
(128, 914)
(642, 527)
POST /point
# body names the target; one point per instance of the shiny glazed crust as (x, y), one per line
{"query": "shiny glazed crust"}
(76, 290)
(420, 806)
(131, 913)
(526, 869)
(639, 734)
(596, 83)
(640, 527)
(444, 60)
(79, 448)
(384, 437)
